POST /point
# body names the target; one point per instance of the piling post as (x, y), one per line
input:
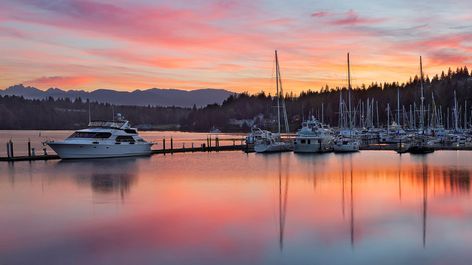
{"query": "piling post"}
(45, 151)
(164, 145)
(33, 153)
(29, 147)
(171, 145)
(8, 150)
(192, 148)
(209, 143)
(183, 145)
(11, 149)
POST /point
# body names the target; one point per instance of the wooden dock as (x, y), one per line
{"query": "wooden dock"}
(208, 148)
(170, 150)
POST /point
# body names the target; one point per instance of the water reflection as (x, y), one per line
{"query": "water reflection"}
(234, 208)
(283, 197)
(104, 176)
(425, 196)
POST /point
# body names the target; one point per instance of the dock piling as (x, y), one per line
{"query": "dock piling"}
(29, 147)
(171, 145)
(8, 149)
(164, 145)
(11, 149)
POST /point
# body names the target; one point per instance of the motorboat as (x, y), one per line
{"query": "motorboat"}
(419, 145)
(313, 137)
(102, 139)
(346, 145)
(270, 143)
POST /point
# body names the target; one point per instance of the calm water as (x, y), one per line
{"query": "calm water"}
(231, 208)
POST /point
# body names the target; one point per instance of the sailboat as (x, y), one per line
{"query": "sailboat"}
(272, 142)
(419, 144)
(345, 144)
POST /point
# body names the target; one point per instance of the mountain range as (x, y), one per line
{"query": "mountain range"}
(152, 96)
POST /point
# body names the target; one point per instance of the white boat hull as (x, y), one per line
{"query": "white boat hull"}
(312, 145)
(104, 150)
(273, 147)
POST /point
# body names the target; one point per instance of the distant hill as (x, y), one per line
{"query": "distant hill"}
(153, 96)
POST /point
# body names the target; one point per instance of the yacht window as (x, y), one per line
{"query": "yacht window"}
(100, 135)
(103, 135)
(308, 141)
(303, 141)
(124, 138)
(132, 131)
(82, 135)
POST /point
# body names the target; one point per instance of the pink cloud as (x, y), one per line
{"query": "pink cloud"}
(352, 18)
(449, 57)
(134, 58)
(162, 25)
(320, 14)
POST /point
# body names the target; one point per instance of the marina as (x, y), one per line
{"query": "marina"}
(232, 142)
(235, 132)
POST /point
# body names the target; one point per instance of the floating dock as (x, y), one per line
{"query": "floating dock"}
(209, 148)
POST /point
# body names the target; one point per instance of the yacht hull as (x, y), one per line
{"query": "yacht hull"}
(312, 145)
(273, 148)
(79, 151)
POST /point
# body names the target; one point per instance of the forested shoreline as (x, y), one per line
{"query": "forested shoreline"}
(240, 111)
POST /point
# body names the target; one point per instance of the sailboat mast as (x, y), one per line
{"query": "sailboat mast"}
(349, 90)
(456, 113)
(398, 105)
(277, 85)
(341, 115)
(422, 96)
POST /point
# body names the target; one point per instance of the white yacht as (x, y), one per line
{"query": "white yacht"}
(313, 137)
(102, 139)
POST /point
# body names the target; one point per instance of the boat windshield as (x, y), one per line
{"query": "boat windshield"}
(95, 135)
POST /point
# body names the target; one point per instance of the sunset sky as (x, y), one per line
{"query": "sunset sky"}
(128, 45)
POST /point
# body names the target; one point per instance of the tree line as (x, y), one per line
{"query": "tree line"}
(20, 113)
